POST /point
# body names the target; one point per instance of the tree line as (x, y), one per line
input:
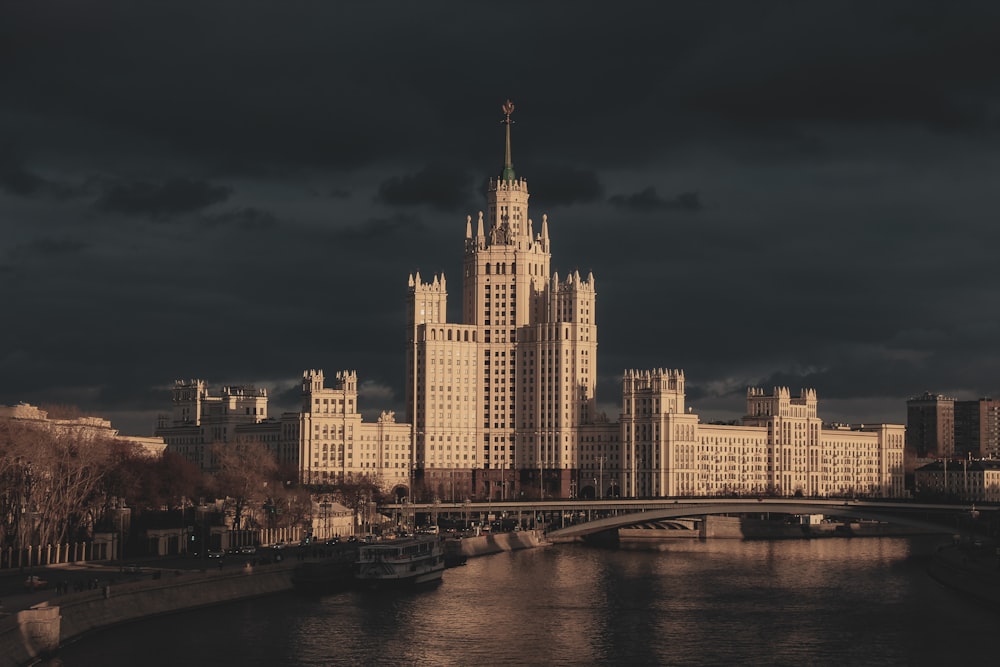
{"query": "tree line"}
(60, 484)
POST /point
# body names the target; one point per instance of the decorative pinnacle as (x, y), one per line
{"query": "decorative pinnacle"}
(508, 165)
(508, 109)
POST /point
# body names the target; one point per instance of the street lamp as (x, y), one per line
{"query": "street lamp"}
(181, 543)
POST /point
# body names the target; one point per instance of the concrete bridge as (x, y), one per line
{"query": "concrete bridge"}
(924, 518)
(567, 520)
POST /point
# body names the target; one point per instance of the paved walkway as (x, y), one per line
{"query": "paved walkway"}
(15, 597)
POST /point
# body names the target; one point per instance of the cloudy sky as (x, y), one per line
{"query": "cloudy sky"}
(768, 193)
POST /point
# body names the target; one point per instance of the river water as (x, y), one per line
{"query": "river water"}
(803, 602)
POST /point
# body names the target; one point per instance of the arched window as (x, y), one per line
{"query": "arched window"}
(487, 268)
(449, 334)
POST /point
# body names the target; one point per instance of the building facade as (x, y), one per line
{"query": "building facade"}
(498, 400)
(970, 481)
(502, 404)
(82, 426)
(977, 428)
(781, 447)
(327, 442)
(930, 425)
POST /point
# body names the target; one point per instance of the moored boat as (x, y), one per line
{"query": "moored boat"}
(400, 562)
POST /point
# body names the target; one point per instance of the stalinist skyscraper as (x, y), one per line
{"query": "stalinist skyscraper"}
(501, 406)
(497, 401)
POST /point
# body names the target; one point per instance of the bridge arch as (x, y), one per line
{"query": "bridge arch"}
(843, 511)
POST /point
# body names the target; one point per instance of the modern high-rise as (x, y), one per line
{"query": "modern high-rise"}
(977, 428)
(497, 400)
(930, 425)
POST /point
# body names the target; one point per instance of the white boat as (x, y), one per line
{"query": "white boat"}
(404, 561)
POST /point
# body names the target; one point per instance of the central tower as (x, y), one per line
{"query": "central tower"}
(532, 342)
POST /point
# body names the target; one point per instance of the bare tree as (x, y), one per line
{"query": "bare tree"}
(50, 482)
(359, 494)
(246, 477)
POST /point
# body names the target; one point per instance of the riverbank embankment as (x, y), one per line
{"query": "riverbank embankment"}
(972, 568)
(29, 634)
(495, 543)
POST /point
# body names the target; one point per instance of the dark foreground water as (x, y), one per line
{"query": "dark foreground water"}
(820, 602)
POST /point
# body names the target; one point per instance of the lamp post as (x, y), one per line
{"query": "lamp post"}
(325, 506)
(181, 542)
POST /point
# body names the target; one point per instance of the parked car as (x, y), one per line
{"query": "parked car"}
(132, 568)
(33, 582)
(248, 549)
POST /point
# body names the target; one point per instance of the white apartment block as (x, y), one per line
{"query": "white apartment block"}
(326, 443)
(781, 447)
(88, 428)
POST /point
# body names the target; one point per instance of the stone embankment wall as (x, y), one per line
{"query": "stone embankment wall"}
(36, 632)
(32, 633)
(497, 543)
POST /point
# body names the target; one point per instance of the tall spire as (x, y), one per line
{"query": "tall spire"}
(508, 165)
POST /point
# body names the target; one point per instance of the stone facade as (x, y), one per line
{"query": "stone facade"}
(970, 481)
(86, 427)
(326, 442)
(781, 447)
(930, 425)
(502, 404)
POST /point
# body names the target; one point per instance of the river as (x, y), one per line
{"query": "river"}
(795, 602)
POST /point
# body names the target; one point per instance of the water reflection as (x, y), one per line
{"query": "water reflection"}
(834, 601)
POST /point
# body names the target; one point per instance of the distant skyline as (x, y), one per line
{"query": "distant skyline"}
(768, 194)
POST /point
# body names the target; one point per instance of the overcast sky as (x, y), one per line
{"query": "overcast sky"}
(768, 193)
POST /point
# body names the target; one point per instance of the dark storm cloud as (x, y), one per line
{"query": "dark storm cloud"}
(162, 200)
(648, 200)
(23, 183)
(564, 185)
(443, 187)
(248, 218)
(18, 180)
(846, 152)
(379, 229)
(50, 247)
(923, 62)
